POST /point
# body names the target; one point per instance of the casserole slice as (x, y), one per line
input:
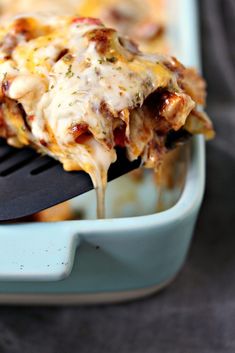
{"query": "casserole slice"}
(75, 90)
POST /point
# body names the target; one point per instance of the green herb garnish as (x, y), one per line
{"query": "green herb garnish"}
(69, 72)
(113, 59)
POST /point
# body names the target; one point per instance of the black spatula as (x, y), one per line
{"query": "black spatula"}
(30, 183)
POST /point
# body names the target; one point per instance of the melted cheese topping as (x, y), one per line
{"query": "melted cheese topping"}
(143, 21)
(78, 84)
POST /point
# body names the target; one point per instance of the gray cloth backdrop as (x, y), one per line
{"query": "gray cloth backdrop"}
(197, 313)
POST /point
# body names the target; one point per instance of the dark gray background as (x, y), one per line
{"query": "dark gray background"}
(197, 313)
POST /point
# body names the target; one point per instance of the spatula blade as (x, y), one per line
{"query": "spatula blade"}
(30, 183)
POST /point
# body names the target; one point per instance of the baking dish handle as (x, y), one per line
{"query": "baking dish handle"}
(37, 252)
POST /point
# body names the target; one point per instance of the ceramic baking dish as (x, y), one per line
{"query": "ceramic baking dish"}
(114, 259)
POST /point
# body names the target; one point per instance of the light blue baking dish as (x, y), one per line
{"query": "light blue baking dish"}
(114, 259)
